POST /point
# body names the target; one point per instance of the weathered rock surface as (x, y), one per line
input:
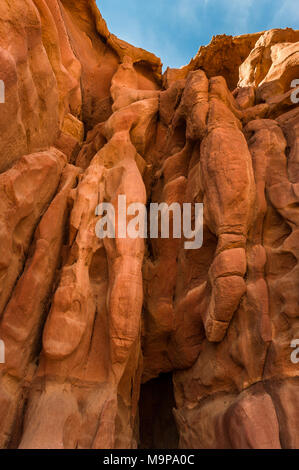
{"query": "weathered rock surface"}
(89, 324)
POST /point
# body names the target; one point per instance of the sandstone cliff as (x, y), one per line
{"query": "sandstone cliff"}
(120, 343)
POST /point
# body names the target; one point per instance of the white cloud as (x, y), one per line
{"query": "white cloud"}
(235, 14)
(238, 15)
(287, 14)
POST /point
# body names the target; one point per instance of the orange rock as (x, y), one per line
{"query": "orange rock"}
(88, 324)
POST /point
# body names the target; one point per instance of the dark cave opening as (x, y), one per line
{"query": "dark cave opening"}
(157, 427)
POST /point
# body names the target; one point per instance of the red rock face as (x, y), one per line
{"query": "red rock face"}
(88, 324)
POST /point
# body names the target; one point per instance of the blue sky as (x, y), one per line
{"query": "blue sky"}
(174, 29)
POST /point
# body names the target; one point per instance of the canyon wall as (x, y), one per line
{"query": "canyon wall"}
(99, 334)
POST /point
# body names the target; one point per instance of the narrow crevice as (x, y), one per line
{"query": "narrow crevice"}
(157, 427)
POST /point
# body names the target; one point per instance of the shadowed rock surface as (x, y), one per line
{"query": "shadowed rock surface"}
(102, 334)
